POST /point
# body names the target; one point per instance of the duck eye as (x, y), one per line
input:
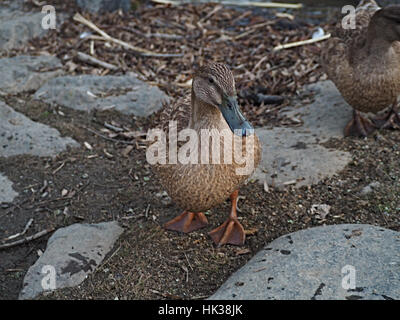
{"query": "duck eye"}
(211, 80)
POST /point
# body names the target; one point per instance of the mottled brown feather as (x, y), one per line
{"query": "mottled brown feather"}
(367, 76)
(198, 187)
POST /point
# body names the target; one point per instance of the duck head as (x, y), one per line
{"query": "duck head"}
(214, 93)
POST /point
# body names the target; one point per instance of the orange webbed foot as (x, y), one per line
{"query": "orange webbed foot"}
(187, 222)
(359, 126)
(230, 232)
(391, 120)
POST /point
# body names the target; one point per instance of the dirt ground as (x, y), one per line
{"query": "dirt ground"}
(148, 262)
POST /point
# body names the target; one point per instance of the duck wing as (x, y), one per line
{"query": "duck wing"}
(176, 114)
(180, 111)
(337, 52)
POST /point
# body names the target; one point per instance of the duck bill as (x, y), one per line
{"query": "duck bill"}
(234, 117)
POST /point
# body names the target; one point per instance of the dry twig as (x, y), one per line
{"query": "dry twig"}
(59, 168)
(92, 60)
(244, 4)
(152, 35)
(107, 138)
(301, 43)
(20, 233)
(106, 37)
(27, 239)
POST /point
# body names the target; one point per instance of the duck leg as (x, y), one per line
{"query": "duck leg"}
(391, 120)
(187, 222)
(231, 231)
(359, 126)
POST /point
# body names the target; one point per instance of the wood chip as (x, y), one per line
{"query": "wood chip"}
(108, 155)
(126, 151)
(243, 251)
(251, 232)
(87, 145)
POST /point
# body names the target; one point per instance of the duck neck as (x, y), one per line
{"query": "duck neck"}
(379, 39)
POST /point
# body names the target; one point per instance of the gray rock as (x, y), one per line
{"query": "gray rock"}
(12, 4)
(327, 116)
(7, 193)
(348, 261)
(25, 73)
(17, 27)
(295, 154)
(87, 92)
(71, 254)
(97, 6)
(20, 135)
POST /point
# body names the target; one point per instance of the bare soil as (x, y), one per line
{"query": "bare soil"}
(149, 262)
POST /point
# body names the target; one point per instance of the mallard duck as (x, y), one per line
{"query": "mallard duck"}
(197, 187)
(364, 64)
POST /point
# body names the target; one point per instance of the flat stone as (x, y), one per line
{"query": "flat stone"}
(348, 261)
(7, 193)
(327, 116)
(17, 26)
(72, 253)
(20, 135)
(25, 73)
(126, 94)
(294, 155)
(96, 6)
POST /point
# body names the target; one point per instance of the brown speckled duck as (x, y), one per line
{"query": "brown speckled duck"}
(364, 64)
(199, 187)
